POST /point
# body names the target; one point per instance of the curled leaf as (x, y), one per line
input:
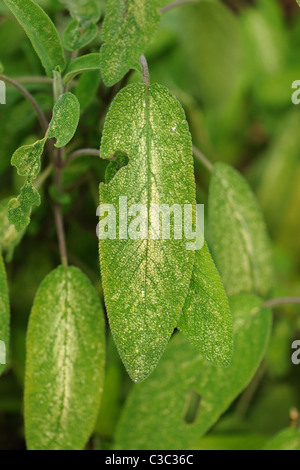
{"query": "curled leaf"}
(65, 119)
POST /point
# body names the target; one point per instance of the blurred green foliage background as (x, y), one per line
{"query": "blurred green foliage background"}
(231, 64)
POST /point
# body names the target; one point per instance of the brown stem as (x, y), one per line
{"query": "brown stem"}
(176, 4)
(283, 301)
(202, 158)
(59, 222)
(145, 70)
(81, 153)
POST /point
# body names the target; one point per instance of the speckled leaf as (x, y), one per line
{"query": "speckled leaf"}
(206, 319)
(9, 237)
(27, 160)
(64, 363)
(4, 315)
(77, 36)
(65, 119)
(167, 396)
(85, 63)
(239, 238)
(41, 31)
(128, 28)
(145, 280)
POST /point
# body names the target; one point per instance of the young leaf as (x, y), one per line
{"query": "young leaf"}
(9, 237)
(65, 362)
(206, 319)
(83, 11)
(186, 395)
(65, 119)
(288, 439)
(239, 238)
(82, 64)
(27, 160)
(77, 36)
(146, 280)
(128, 28)
(4, 315)
(41, 32)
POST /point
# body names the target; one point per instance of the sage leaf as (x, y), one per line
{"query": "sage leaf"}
(41, 32)
(77, 36)
(86, 63)
(206, 319)
(128, 27)
(65, 119)
(4, 315)
(146, 280)
(288, 439)
(83, 11)
(9, 237)
(239, 239)
(168, 397)
(64, 363)
(27, 160)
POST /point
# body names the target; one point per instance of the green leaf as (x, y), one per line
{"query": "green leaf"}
(9, 237)
(65, 119)
(288, 439)
(82, 64)
(146, 281)
(65, 362)
(83, 11)
(77, 36)
(206, 319)
(240, 243)
(168, 396)
(41, 32)
(27, 160)
(128, 28)
(4, 316)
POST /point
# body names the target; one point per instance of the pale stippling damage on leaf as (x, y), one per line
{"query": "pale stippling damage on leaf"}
(240, 243)
(27, 160)
(85, 63)
(64, 363)
(146, 281)
(4, 316)
(65, 119)
(9, 237)
(206, 319)
(183, 374)
(128, 28)
(41, 32)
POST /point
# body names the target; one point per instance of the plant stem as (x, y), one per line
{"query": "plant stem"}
(176, 4)
(145, 70)
(43, 176)
(30, 98)
(34, 80)
(202, 158)
(81, 153)
(283, 301)
(59, 222)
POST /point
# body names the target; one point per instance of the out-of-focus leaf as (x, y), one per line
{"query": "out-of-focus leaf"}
(9, 237)
(27, 160)
(82, 64)
(239, 238)
(206, 320)
(146, 280)
(65, 119)
(65, 362)
(4, 316)
(41, 32)
(166, 397)
(86, 88)
(128, 28)
(288, 439)
(83, 11)
(77, 36)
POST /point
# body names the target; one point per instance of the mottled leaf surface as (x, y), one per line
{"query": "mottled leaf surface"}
(4, 314)
(64, 363)
(41, 32)
(85, 63)
(27, 160)
(77, 36)
(128, 28)
(240, 243)
(65, 119)
(166, 396)
(206, 319)
(9, 237)
(146, 280)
